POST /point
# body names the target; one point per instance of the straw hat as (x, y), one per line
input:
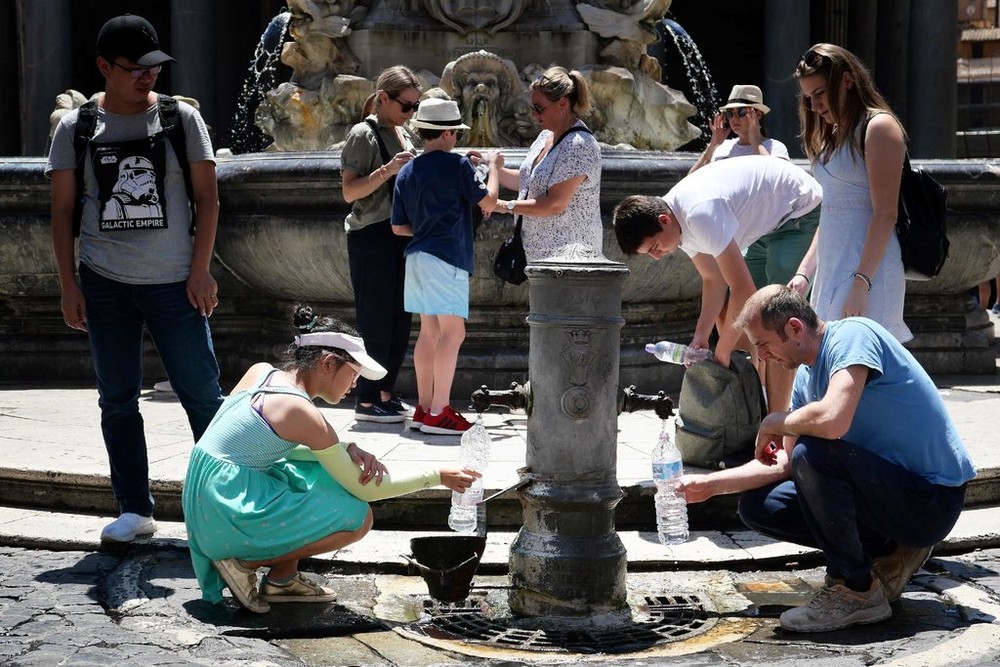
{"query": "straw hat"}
(437, 114)
(746, 96)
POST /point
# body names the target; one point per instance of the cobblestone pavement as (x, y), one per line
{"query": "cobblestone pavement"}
(142, 606)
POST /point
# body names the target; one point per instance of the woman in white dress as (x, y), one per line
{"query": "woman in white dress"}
(856, 146)
(559, 182)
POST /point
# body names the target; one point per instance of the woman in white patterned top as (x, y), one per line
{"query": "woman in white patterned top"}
(559, 182)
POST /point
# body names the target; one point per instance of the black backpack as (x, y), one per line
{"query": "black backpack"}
(86, 125)
(921, 219)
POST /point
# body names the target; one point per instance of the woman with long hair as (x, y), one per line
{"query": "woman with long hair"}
(856, 145)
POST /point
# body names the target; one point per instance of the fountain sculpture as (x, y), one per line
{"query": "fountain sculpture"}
(483, 55)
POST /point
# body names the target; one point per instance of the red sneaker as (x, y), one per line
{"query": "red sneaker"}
(448, 422)
(417, 420)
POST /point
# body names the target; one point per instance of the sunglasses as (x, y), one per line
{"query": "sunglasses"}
(539, 109)
(741, 112)
(405, 107)
(812, 59)
(138, 72)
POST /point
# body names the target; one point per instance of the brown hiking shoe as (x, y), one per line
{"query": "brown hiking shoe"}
(895, 570)
(835, 607)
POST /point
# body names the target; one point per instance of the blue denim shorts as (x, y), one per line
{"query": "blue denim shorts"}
(435, 287)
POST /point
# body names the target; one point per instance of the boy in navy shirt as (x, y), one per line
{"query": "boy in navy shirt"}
(432, 202)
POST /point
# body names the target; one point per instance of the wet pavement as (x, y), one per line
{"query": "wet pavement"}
(142, 606)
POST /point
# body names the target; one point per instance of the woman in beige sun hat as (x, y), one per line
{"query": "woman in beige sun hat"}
(742, 115)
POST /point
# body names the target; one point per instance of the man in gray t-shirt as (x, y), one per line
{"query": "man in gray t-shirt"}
(139, 263)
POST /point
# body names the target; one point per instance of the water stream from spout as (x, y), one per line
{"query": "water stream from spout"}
(704, 96)
(244, 135)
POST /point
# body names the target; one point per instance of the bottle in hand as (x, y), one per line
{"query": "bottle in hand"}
(671, 508)
(675, 353)
(475, 455)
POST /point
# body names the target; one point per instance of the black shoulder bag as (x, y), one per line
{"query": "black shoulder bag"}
(510, 261)
(921, 222)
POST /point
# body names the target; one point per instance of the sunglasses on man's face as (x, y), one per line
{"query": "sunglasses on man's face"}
(741, 112)
(405, 107)
(138, 72)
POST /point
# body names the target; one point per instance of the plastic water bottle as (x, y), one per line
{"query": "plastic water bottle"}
(675, 353)
(671, 508)
(475, 454)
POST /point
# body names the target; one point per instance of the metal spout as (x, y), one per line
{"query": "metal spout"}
(631, 401)
(517, 397)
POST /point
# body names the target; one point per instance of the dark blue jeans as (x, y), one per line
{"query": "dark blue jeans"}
(851, 504)
(116, 313)
(378, 268)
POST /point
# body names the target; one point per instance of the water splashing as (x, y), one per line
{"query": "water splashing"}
(704, 95)
(262, 74)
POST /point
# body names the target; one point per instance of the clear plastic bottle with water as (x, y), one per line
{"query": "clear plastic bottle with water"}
(475, 454)
(677, 353)
(671, 508)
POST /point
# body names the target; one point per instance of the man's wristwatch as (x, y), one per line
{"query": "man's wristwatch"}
(510, 205)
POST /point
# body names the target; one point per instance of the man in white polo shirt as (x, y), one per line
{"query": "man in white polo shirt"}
(713, 215)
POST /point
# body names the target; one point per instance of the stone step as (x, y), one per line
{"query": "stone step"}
(382, 550)
(427, 509)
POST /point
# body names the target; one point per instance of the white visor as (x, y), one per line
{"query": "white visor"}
(354, 346)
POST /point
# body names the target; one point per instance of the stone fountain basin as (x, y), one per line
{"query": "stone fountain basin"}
(281, 239)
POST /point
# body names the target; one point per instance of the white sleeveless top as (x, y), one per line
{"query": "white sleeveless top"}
(843, 225)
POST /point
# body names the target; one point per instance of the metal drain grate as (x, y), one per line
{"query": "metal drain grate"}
(667, 618)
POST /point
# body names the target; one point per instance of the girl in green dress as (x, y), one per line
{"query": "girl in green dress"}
(270, 482)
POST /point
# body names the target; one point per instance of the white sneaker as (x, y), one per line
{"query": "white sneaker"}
(126, 527)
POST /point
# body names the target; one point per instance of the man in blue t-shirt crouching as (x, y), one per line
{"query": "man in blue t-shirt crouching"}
(866, 466)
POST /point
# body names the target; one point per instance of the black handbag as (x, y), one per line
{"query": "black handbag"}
(921, 220)
(510, 260)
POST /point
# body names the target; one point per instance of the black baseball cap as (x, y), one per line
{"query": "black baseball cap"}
(133, 38)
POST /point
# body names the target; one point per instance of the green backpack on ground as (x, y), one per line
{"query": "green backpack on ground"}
(719, 413)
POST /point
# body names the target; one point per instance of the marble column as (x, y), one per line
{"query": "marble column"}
(786, 38)
(46, 66)
(192, 43)
(932, 90)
